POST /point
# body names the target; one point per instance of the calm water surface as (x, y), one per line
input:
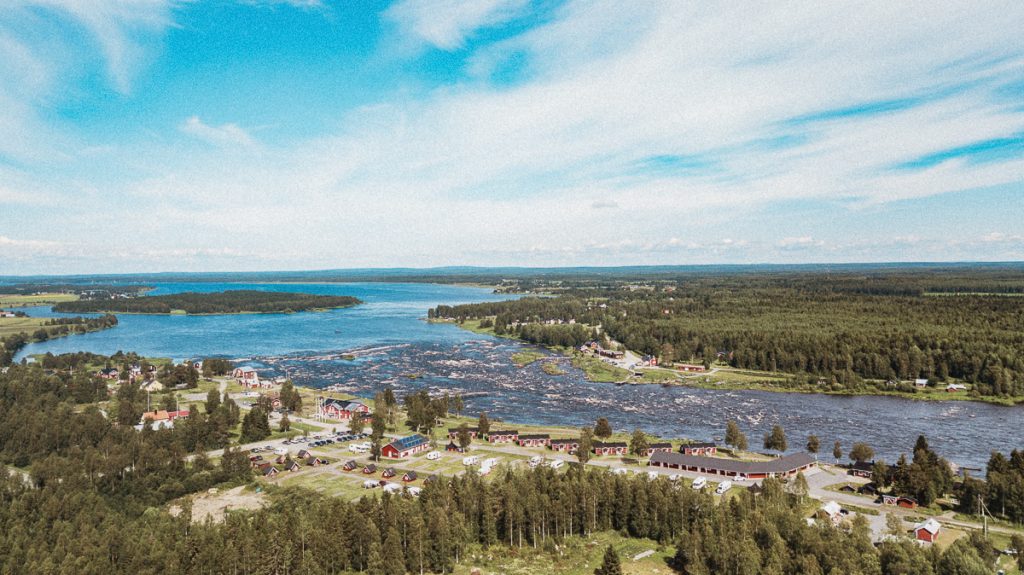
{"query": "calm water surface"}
(395, 347)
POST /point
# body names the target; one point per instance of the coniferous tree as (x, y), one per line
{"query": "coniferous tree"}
(638, 443)
(813, 444)
(610, 565)
(483, 425)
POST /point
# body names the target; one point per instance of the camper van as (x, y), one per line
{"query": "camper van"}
(700, 482)
(536, 460)
(723, 487)
(471, 460)
(555, 463)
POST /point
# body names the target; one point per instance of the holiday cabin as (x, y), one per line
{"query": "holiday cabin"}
(405, 447)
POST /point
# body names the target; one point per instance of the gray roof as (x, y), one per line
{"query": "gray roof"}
(784, 464)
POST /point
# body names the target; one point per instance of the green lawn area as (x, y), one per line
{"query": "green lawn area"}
(658, 376)
(599, 371)
(19, 300)
(13, 325)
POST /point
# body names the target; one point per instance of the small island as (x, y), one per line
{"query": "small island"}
(226, 302)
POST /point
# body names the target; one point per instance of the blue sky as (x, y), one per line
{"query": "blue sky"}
(156, 135)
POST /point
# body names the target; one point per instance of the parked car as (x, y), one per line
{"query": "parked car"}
(700, 483)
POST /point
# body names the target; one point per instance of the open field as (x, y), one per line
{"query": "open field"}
(575, 556)
(18, 300)
(13, 325)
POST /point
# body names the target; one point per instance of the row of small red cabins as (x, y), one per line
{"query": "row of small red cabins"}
(571, 445)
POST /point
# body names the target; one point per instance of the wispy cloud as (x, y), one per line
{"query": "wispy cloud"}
(446, 24)
(223, 135)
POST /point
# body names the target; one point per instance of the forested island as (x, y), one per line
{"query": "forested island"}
(837, 332)
(226, 302)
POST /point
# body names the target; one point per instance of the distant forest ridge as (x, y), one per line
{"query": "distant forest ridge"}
(1001, 277)
(236, 301)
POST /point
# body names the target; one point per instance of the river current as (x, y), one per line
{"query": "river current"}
(394, 346)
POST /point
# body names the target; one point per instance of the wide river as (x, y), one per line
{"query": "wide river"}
(394, 346)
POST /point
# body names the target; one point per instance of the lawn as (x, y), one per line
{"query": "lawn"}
(599, 371)
(19, 300)
(13, 325)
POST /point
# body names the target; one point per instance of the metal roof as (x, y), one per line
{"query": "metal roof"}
(786, 464)
(408, 442)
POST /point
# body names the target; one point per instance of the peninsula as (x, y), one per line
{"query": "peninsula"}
(226, 302)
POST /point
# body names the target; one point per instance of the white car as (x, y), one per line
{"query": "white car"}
(700, 483)
(555, 463)
(723, 487)
(434, 455)
(369, 484)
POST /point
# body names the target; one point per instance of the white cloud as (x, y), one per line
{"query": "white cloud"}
(446, 24)
(223, 135)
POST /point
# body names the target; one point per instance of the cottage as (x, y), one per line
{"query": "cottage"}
(920, 382)
(409, 476)
(653, 448)
(431, 479)
(786, 466)
(862, 469)
(163, 415)
(890, 500)
(349, 465)
(566, 445)
(292, 465)
(406, 447)
(342, 409)
(246, 376)
(452, 446)
(689, 367)
(303, 453)
(698, 448)
(453, 432)
(927, 531)
(534, 440)
(388, 473)
(832, 510)
(269, 471)
(503, 436)
(314, 461)
(907, 502)
(109, 373)
(370, 469)
(610, 448)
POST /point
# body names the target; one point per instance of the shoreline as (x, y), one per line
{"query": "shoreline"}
(690, 381)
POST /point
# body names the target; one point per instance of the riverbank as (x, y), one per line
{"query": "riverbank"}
(720, 377)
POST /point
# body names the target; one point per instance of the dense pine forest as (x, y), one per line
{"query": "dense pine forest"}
(845, 328)
(234, 301)
(89, 496)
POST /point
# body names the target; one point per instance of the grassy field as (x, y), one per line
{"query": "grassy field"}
(526, 357)
(13, 325)
(18, 300)
(552, 368)
(574, 556)
(599, 371)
